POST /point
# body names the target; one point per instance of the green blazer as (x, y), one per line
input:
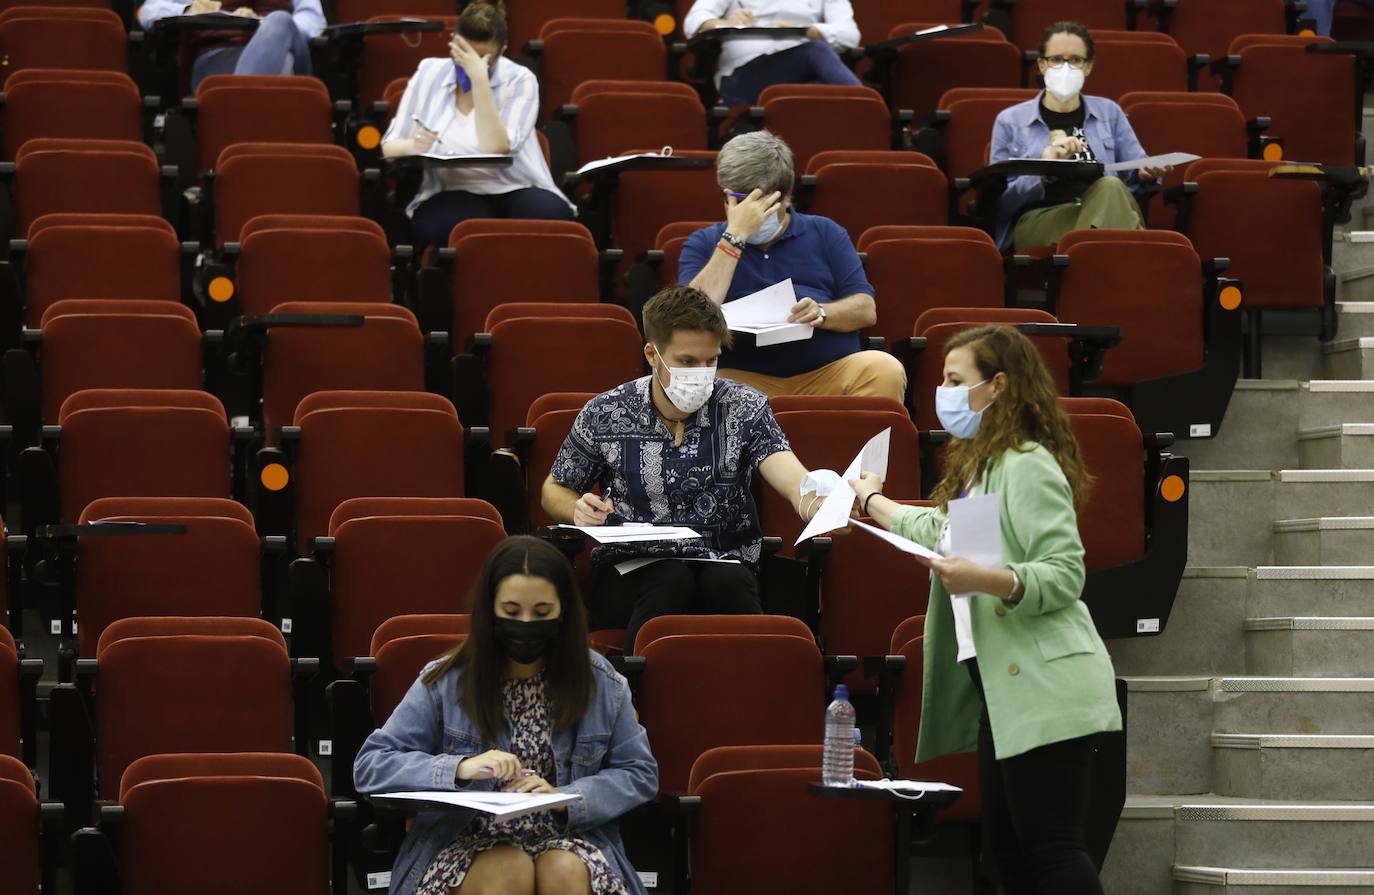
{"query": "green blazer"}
(1045, 671)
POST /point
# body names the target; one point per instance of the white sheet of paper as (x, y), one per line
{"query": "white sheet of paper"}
(501, 805)
(452, 156)
(1151, 161)
(834, 511)
(627, 534)
(630, 565)
(776, 333)
(975, 530)
(905, 786)
(897, 541)
(769, 306)
(612, 160)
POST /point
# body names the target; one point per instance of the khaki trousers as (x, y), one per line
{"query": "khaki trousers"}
(1108, 204)
(862, 373)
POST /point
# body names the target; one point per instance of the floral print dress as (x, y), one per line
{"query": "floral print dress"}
(527, 716)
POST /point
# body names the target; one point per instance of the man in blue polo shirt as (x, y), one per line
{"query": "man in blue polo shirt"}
(762, 242)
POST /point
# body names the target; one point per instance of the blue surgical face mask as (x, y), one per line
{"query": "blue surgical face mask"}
(464, 82)
(951, 406)
(768, 230)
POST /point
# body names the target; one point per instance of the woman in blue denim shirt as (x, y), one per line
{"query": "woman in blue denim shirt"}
(522, 705)
(1064, 123)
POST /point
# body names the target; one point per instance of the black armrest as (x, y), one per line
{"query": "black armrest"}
(1157, 440)
(873, 666)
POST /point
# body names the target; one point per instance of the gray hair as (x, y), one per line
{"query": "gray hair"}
(755, 160)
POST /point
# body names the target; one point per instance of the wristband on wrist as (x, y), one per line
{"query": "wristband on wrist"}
(727, 250)
(734, 240)
(864, 508)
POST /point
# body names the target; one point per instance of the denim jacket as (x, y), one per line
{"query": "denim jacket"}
(604, 758)
(1020, 133)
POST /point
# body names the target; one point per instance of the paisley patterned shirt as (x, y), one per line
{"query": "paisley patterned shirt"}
(619, 442)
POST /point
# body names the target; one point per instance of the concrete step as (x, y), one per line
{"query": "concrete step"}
(1310, 591)
(1355, 284)
(1294, 705)
(1352, 249)
(1230, 516)
(1257, 432)
(1170, 722)
(1325, 541)
(1323, 402)
(1245, 881)
(1284, 766)
(1273, 834)
(1348, 359)
(1140, 861)
(1205, 631)
(1340, 446)
(1357, 317)
(1303, 493)
(1290, 356)
(1305, 646)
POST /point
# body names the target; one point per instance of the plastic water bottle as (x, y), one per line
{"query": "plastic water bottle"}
(837, 768)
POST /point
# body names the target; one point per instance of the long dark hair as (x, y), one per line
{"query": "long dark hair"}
(567, 663)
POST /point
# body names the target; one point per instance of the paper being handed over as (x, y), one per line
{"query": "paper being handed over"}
(834, 512)
(764, 315)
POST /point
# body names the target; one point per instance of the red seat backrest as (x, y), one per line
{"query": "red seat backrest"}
(304, 258)
(281, 178)
(130, 257)
(912, 275)
(826, 117)
(859, 196)
(66, 103)
(1112, 522)
(90, 176)
(584, 52)
(19, 847)
(260, 109)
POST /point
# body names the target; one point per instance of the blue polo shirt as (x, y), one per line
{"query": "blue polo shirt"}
(817, 254)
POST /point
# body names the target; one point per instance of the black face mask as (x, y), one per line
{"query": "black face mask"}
(526, 642)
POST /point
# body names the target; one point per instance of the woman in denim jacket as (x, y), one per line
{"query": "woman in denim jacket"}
(521, 705)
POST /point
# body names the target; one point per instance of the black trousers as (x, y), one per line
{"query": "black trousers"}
(1035, 809)
(671, 587)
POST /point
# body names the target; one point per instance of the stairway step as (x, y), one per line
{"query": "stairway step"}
(1352, 249)
(1349, 358)
(1273, 834)
(1324, 541)
(1324, 492)
(1357, 317)
(1296, 705)
(1192, 880)
(1140, 861)
(1301, 646)
(1166, 739)
(1323, 402)
(1310, 591)
(1205, 631)
(1339, 446)
(1288, 766)
(1257, 432)
(1230, 517)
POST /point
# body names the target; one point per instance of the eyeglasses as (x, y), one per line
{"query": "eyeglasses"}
(1075, 61)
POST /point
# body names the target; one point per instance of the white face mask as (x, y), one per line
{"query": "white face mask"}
(1064, 81)
(768, 230)
(689, 388)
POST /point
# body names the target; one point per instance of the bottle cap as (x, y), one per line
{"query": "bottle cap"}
(841, 692)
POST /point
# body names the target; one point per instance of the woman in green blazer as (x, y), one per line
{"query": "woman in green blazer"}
(1036, 681)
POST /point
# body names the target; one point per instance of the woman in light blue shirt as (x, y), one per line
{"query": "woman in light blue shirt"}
(1063, 123)
(522, 705)
(476, 102)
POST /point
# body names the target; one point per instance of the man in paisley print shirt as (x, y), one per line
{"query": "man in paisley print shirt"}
(678, 447)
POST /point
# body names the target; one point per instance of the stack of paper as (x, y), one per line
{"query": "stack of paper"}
(834, 512)
(631, 533)
(597, 164)
(501, 806)
(907, 786)
(764, 315)
(1166, 160)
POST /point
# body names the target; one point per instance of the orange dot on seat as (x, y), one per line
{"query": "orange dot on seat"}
(1273, 152)
(221, 289)
(369, 137)
(1231, 297)
(1172, 488)
(274, 476)
(664, 23)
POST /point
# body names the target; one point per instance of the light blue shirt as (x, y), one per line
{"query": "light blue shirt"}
(1020, 133)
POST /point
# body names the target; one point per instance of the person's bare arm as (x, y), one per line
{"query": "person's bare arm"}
(566, 505)
(784, 473)
(843, 315)
(491, 131)
(742, 219)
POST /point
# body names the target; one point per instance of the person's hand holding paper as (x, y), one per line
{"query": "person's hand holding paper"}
(834, 512)
(766, 315)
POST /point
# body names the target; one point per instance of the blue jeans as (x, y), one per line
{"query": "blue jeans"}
(277, 48)
(814, 62)
(435, 217)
